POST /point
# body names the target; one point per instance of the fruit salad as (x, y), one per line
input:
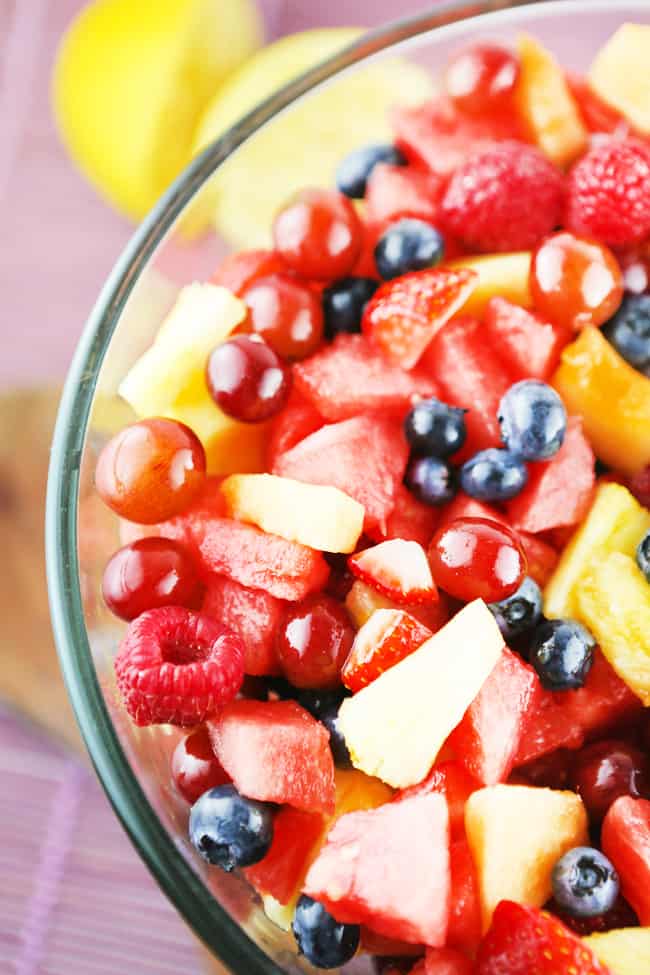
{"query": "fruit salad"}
(386, 536)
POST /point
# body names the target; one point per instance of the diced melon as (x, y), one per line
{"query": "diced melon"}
(546, 104)
(319, 517)
(395, 727)
(516, 834)
(499, 275)
(612, 398)
(616, 523)
(626, 951)
(614, 602)
(619, 74)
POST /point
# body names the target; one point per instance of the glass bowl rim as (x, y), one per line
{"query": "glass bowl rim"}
(181, 884)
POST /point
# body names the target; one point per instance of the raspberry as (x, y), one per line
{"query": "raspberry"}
(178, 667)
(609, 193)
(503, 198)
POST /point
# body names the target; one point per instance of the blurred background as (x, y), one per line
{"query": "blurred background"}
(134, 82)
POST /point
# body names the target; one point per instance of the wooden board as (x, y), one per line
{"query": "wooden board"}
(30, 678)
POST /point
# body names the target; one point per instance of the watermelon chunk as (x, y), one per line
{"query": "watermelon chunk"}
(389, 869)
(276, 752)
(529, 346)
(542, 557)
(240, 270)
(351, 376)
(626, 841)
(559, 492)
(188, 528)
(471, 375)
(487, 739)
(296, 834)
(546, 730)
(454, 782)
(398, 191)
(410, 519)
(365, 457)
(257, 560)
(295, 421)
(253, 614)
(604, 702)
(465, 917)
(378, 944)
(441, 137)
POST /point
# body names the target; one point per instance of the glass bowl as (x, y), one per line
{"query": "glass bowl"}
(133, 764)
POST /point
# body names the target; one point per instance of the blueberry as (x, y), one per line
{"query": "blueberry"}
(229, 830)
(324, 705)
(408, 245)
(493, 475)
(562, 652)
(533, 420)
(430, 480)
(629, 332)
(343, 304)
(435, 428)
(324, 942)
(520, 612)
(585, 883)
(643, 555)
(354, 170)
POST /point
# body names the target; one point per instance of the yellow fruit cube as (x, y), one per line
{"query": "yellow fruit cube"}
(279, 914)
(614, 602)
(612, 398)
(356, 791)
(395, 727)
(320, 517)
(516, 834)
(626, 951)
(615, 523)
(505, 275)
(230, 447)
(619, 74)
(546, 104)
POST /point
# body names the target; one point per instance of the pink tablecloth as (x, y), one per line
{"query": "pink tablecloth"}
(57, 239)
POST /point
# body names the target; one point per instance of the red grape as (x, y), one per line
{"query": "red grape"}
(247, 379)
(314, 642)
(474, 558)
(149, 573)
(318, 234)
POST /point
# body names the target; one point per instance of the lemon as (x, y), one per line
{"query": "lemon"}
(131, 80)
(303, 145)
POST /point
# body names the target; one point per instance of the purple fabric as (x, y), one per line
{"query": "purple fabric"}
(58, 240)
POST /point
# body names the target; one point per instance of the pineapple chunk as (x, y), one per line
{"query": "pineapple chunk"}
(230, 446)
(615, 523)
(546, 104)
(516, 834)
(614, 602)
(620, 75)
(356, 791)
(395, 727)
(320, 517)
(279, 914)
(625, 951)
(362, 601)
(505, 275)
(613, 399)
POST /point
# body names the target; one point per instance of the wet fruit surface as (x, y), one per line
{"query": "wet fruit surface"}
(314, 642)
(149, 573)
(286, 314)
(318, 234)
(247, 379)
(475, 558)
(609, 769)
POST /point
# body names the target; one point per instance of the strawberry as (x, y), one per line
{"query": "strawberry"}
(397, 568)
(522, 940)
(406, 313)
(385, 639)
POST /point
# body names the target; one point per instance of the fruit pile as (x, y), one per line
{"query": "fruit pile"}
(387, 539)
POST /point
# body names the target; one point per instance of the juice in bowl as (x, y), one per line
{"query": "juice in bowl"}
(357, 629)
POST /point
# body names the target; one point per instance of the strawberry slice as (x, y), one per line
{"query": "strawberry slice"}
(397, 568)
(522, 940)
(406, 313)
(385, 639)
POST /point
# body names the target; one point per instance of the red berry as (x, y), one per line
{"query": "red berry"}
(149, 573)
(575, 281)
(607, 770)
(287, 314)
(314, 642)
(318, 234)
(609, 193)
(475, 558)
(177, 667)
(151, 470)
(482, 78)
(247, 379)
(195, 767)
(503, 199)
